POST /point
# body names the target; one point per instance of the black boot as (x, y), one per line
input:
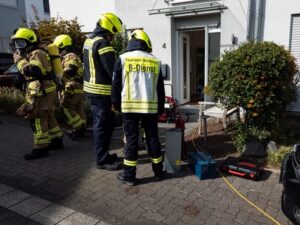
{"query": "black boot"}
(158, 171)
(159, 176)
(36, 153)
(56, 143)
(126, 180)
(77, 134)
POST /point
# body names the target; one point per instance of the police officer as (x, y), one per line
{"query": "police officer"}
(72, 97)
(41, 96)
(99, 59)
(138, 88)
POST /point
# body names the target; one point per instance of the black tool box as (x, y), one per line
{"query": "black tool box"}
(242, 168)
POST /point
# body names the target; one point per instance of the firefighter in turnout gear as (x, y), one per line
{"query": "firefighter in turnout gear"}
(41, 95)
(72, 97)
(138, 88)
(99, 59)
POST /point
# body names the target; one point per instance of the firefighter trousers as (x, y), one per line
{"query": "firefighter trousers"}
(102, 127)
(131, 129)
(43, 123)
(73, 107)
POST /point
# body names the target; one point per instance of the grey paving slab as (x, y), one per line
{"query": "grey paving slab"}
(31, 206)
(69, 178)
(79, 219)
(4, 189)
(8, 217)
(52, 214)
(13, 197)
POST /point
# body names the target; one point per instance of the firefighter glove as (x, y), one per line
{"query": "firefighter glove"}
(24, 109)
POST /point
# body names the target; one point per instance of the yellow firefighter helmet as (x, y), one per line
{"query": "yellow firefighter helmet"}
(110, 22)
(62, 41)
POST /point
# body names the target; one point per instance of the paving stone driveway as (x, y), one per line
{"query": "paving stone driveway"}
(69, 178)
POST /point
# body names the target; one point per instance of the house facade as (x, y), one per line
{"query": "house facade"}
(16, 13)
(188, 35)
(87, 13)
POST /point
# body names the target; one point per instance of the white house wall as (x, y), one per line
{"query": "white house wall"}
(30, 16)
(278, 20)
(134, 14)
(87, 12)
(234, 22)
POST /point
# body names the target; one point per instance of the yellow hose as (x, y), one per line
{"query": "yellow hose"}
(237, 192)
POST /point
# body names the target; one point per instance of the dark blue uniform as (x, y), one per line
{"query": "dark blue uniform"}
(99, 59)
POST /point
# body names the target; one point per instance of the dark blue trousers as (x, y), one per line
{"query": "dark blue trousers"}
(131, 129)
(102, 127)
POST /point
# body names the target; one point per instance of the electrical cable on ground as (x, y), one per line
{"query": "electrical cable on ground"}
(234, 189)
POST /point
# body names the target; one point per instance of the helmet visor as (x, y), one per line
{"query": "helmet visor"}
(20, 44)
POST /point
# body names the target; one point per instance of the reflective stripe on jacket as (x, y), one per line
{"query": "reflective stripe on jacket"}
(99, 59)
(74, 83)
(140, 72)
(39, 64)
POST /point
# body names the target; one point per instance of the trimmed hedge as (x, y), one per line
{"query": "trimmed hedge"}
(259, 77)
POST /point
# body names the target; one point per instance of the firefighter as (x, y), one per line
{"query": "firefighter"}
(72, 97)
(99, 59)
(138, 89)
(34, 63)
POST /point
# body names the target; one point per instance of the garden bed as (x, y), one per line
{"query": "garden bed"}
(220, 145)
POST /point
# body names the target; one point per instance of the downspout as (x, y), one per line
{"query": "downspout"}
(250, 22)
(259, 20)
(255, 20)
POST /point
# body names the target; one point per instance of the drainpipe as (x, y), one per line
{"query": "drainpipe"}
(259, 20)
(255, 20)
(251, 22)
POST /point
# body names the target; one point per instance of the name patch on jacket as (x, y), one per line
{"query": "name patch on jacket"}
(135, 64)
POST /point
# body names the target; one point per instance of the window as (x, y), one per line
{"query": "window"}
(46, 6)
(10, 3)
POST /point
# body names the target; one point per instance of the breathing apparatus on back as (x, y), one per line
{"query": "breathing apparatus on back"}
(53, 52)
(24, 41)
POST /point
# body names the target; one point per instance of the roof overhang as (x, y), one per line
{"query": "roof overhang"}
(189, 9)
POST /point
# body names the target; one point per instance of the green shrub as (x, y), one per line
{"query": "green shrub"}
(259, 77)
(10, 99)
(47, 30)
(275, 158)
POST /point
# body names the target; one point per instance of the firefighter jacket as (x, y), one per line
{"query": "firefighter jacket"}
(37, 69)
(72, 73)
(137, 81)
(99, 60)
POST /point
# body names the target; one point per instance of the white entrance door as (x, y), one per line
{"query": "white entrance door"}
(185, 71)
(212, 52)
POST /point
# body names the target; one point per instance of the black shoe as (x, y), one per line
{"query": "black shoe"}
(56, 143)
(159, 176)
(110, 166)
(36, 153)
(77, 134)
(113, 158)
(126, 180)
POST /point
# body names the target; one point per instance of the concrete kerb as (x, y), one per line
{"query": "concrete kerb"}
(41, 210)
